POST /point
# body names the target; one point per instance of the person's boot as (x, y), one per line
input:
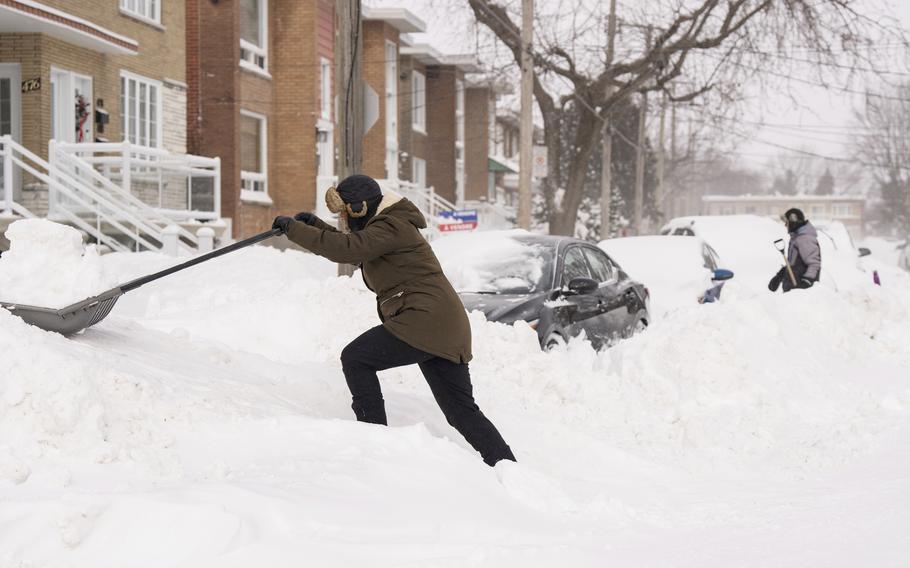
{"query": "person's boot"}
(370, 411)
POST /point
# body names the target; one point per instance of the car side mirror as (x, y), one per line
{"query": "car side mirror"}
(863, 251)
(722, 274)
(582, 285)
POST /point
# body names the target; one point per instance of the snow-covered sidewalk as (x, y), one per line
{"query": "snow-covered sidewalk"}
(206, 422)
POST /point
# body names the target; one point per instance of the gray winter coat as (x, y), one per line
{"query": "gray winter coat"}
(804, 253)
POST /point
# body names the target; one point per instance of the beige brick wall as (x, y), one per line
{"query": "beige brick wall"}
(174, 117)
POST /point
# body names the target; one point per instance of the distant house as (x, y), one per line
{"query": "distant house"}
(93, 95)
(848, 209)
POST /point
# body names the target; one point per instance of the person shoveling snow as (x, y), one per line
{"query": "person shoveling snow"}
(423, 320)
(803, 259)
(47, 265)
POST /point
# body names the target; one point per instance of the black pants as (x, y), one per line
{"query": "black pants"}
(377, 350)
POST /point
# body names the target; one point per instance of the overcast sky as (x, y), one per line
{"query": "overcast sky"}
(800, 118)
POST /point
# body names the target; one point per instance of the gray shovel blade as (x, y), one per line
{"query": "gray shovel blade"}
(71, 319)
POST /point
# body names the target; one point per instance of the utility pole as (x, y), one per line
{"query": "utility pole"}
(349, 91)
(661, 159)
(526, 133)
(640, 152)
(606, 160)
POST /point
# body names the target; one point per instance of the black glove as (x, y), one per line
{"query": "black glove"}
(282, 222)
(305, 217)
(774, 283)
(805, 283)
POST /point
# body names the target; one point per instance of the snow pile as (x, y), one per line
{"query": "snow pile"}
(782, 381)
(491, 261)
(47, 266)
(206, 422)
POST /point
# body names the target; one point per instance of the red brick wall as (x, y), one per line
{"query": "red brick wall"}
(441, 129)
(477, 141)
(299, 33)
(375, 36)
(411, 143)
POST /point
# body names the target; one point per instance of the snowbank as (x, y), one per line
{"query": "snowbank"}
(206, 422)
(47, 266)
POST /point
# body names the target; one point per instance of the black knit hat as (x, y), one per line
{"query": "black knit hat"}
(358, 188)
(794, 215)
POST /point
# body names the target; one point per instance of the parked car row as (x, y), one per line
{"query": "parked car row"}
(564, 287)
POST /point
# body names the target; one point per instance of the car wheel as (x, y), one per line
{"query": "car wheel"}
(554, 341)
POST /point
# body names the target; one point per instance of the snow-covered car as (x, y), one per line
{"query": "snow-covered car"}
(678, 270)
(561, 286)
(745, 242)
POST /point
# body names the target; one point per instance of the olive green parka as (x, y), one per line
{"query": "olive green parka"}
(415, 301)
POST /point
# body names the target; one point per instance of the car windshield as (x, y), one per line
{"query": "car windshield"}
(496, 264)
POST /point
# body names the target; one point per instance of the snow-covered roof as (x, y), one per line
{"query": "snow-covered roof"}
(401, 19)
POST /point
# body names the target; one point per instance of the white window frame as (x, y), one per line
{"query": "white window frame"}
(418, 102)
(254, 57)
(125, 78)
(419, 172)
(145, 10)
(325, 88)
(248, 180)
(391, 110)
(459, 142)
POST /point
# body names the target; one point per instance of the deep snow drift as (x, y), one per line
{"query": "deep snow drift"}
(47, 266)
(206, 423)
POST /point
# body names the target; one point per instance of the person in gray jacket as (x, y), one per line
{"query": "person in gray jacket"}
(804, 254)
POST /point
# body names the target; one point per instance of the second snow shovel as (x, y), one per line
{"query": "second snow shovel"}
(779, 245)
(88, 312)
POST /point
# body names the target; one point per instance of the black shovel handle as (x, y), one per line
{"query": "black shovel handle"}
(133, 284)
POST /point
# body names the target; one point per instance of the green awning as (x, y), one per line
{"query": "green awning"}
(495, 166)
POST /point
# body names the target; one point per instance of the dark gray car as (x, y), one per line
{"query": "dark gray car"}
(579, 290)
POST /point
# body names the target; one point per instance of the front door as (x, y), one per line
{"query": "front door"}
(71, 106)
(10, 82)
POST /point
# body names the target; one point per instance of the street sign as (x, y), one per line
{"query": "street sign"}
(540, 168)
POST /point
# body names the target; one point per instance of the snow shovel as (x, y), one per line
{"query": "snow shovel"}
(88, 312)
(779, 245)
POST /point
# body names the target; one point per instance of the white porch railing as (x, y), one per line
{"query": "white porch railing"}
(426, 199)
(178, 186)
(80, 195)
(493, 216)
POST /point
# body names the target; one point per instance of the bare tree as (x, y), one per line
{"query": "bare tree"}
(884, 144)
(707, 42)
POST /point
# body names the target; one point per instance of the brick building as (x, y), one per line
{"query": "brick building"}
(69, 66)
(382, 30)
(261, 88)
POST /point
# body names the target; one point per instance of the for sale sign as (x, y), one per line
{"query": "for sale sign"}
(464, 220)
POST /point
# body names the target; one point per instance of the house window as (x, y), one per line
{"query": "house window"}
(419, 102)
(143, 9)
(254, 35)
(253, 157)
(325, 88)
(140, 110)
(419, 172)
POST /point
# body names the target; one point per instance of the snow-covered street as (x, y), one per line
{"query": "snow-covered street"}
(206, 422)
